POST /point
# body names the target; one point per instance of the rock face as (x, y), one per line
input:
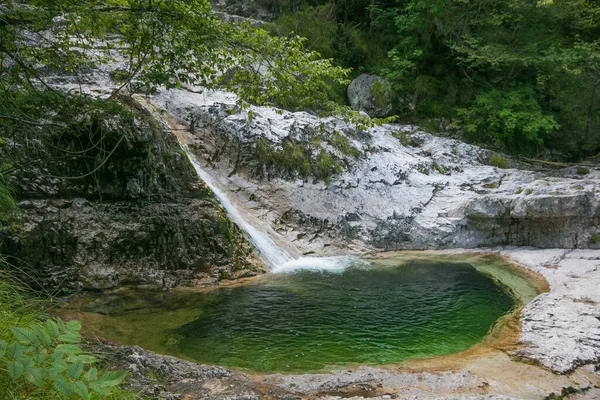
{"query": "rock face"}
(371, 94)
(561, 329)
(393, 186)
(142, 220)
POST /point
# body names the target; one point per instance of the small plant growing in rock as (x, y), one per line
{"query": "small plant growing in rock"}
(439, 168)
(342, 143)
(406, 139)
(582, 170)
(423, 169)
(498, 161)
(491, 186)
(47, 358)
(519, 190)
(528, 192)
(594, 238)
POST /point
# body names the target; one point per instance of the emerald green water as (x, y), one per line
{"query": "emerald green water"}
(313, 320)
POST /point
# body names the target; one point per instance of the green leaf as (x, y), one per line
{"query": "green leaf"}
(99, 389)
(59, 366)
(69, 337)
(35, 376)
(81, 390)
(86, 359)
(75, 370)
(112, 378)
(61, 325)
(68, 349)
(15, 351)
(40, 357)
(15, 369)
(28, 365)
(23, 335)
(92, 375)
(52, 328)
(43, 336)
(74, 325)
(62, 386)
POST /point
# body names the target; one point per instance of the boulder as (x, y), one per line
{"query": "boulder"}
(371, 94)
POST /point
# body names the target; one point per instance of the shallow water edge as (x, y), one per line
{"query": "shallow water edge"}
(520, 284)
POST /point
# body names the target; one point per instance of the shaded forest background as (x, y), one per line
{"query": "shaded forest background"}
(522, 76)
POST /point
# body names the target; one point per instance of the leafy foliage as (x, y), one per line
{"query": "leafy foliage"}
(535, 62)
(512, 120)
(298, 158)
(498, 161)
(41, 358)
(49, 46)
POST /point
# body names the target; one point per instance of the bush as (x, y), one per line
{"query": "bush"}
(342, 143)
(498, 161)
(296, 157)
(512, 120)
(41, 358)
(582, 171)
(47, 357)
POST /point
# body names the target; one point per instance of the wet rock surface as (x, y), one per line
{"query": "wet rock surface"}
(84, 244)
(561, 329)
(143, 220)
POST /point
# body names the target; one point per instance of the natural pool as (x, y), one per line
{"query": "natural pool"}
(384, 312)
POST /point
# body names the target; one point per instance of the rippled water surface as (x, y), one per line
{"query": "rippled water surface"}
(308, 320)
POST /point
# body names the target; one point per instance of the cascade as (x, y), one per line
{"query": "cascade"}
(278, 260)
(273, 255)
(276, 257)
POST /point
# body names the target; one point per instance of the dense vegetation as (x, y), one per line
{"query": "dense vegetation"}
(47, 47)
(520, 75)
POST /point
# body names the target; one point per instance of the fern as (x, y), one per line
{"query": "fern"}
(47, 357)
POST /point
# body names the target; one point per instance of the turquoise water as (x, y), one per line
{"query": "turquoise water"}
(314, 320)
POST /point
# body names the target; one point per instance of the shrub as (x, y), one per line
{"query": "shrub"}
(47, 356)
(498, 161)
(582, 171)
(511, 120)
(297, 158)
(342, 143)
(43, 360)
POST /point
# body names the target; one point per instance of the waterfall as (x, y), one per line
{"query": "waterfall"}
(273, 255)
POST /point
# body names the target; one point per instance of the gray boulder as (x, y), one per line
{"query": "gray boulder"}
(371, 94)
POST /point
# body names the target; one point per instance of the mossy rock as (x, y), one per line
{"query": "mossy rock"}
(371, 94)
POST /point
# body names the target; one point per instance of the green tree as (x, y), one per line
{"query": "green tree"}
(455, 58)
(152, 43)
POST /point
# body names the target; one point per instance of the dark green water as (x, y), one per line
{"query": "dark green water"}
(312, 320)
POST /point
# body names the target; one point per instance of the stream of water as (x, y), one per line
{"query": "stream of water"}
(273, 255)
